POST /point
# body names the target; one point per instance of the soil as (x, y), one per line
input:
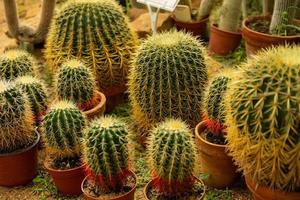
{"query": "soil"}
(215, 139)
(98, 192)
(66, 163)
(262, 26)
(194, 194)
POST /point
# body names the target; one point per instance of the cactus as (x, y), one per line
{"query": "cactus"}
(105, 153)
(16, 119)
(15, 63)
(205, 8)
(172, 157)
(36, 92)
(75, 82)
(213, 103)
(98, 33)
(168, 77)
(230, 15)
(63, 127)
(263, 103)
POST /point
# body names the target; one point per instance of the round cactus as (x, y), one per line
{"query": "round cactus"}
(168, 77)
(172, 157)
(63, 129)
(264, 121)
(75, 82)
(213, 103)
(105, 152)
(15, 63)
(36, 92)
(16, 119)
(98, 33)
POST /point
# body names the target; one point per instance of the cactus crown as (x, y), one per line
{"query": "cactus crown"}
(63, 128)
(213, 103)
(168, 77)
(16, 119)
(75, 82)
(36, 92)
(106, 153)
(172, 156)
(16, 62)
(263, 121)
(96, 31)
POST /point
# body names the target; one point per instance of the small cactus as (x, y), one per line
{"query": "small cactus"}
(75, 82)
(16, 119)
(36, 92)
(15, 63)
(105, 153)
(263, 119)
(98, 32)
(172, 157)
(63, 129)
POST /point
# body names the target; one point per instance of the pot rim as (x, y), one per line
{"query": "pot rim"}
(132, 189)
(247, 20)
(145, 189)
(202, 125)
(101, 104)
(49, 168)
(20, 151)
(204, 19)
(216, 26)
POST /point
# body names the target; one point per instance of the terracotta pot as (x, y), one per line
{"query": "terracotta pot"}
(20, 167)
(146, 188)
(223, 42)
(115, 96)
(196, 28)
(67, 181)
(128, 196)
(214, 161)
(99, 109)
(256, 41)
(266, 193)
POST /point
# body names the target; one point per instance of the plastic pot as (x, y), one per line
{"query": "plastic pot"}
(99, 109)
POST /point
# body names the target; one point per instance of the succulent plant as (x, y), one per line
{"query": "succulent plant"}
(105, 152)
(15, 63)
(63, 127)
(16, 119)
(36, 92)
(75, 82)
(168, 78)
(263, 121)
(213, 103)
(172, 157)
(98, 33)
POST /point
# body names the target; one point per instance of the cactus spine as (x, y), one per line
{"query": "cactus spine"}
(98, 33)
(63, 129)
(36, 92)
(168, 77)
(230, 15)
(75, 82)
(16, 119)
(106, 153)
(15, 63)
(263, 120)
(172, 157)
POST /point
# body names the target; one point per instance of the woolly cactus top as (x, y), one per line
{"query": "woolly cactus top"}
(263, 120)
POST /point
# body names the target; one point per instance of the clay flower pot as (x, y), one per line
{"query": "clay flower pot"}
(266, 193)
(197, 29)
(67, 181)
(128, 196)
(214, 161)
(223, 42)
(256, 41)
(99, 109)
(115, 96)
(150, 183)
(20, 167)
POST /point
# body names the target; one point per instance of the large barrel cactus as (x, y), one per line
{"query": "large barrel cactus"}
(172, 157)
(98, 33)
(168, 78)
(16, 119)
(106, 154)
(264, 121)
(15, 63)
